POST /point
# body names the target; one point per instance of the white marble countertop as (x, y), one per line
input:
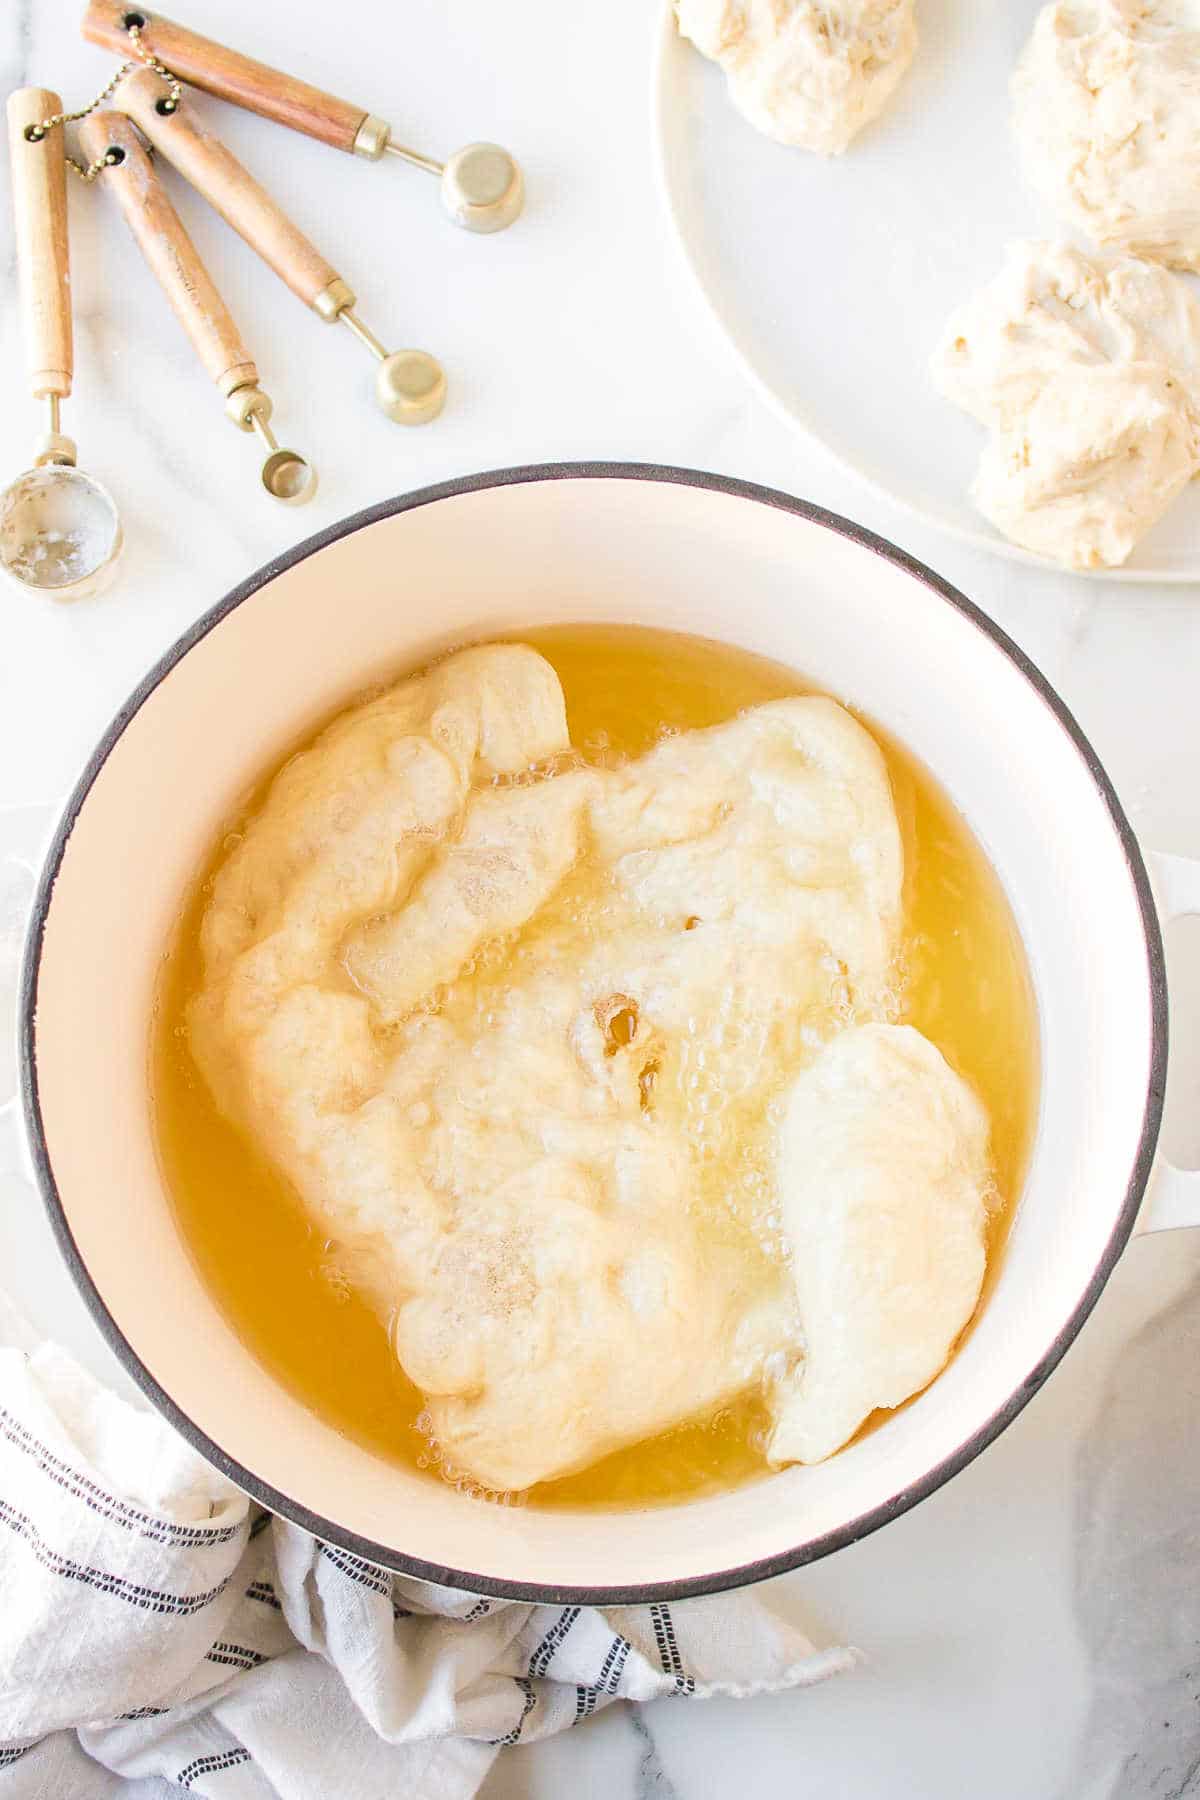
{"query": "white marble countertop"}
(1032, 1630)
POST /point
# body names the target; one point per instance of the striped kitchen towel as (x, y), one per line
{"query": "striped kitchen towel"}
(161, 1634)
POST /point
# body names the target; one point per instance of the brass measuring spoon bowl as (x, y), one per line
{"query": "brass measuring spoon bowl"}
(60, 535)
(483, 188)
(286, 475)
(289, 477)
(410, 386)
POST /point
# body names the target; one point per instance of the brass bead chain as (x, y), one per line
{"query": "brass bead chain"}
(35, 133)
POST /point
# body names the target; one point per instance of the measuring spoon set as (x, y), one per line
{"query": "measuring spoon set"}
(59, 530)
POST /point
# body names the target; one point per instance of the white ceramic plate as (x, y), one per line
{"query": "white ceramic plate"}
(832, 279)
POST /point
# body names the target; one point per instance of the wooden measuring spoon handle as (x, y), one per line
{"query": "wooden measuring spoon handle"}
(163, 240)
(226, 73)
(39, 183)
(215, 172)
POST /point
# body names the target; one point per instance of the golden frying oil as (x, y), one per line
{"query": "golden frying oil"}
(966, 988)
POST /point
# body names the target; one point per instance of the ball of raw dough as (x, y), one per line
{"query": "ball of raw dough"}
(1107, 116)
(1087, 372)
(808, 72)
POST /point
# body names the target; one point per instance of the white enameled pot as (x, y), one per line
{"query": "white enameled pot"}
(690, 552)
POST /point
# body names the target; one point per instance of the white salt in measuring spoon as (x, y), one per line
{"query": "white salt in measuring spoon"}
(113, 148)
(59, 531)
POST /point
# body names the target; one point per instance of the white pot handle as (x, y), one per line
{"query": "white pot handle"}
(1173, 1196)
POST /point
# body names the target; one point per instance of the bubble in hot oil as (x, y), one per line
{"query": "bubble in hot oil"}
(337, 1281)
